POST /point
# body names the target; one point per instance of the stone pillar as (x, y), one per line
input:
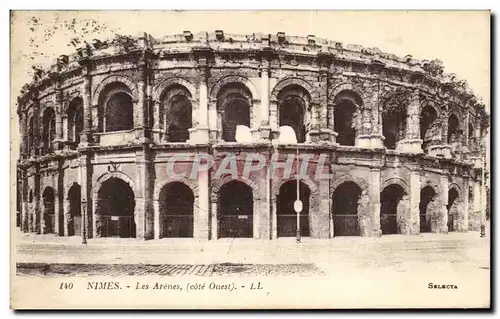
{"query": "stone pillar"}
(265, 123)
(463, 211)
(202, 217)
(376, 136)
(157, 223)
(85, 180)
(442, 226)
(141, 107)
(213, 218)
(37, 218)
(320, 216)
(24, 133)
(25, 200)
(413, 217)
(200, 134)
(156, 133)
(67, 216)
(59, 200)
(86, 134)
(412, 142)
(475, 217)
(375, 201)
(58, 142)
(36, 127)
(144, 215)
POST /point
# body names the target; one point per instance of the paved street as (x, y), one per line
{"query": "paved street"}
(460, 252)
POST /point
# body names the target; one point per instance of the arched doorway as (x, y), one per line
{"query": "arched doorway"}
(394, 115)
(235, 210)
(345, 209)
(293, 101)
(115, 210)
(234, 102)
(427, 205)
(48, 209)
(347, 104)
(452, 209)
(176, 210)
(287, 217)
(75, 211)
(176, 113)
(390, 208)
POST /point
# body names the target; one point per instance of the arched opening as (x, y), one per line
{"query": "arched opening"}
(346, 104)
(345, 209)
(235, 210)
(391, 209)
(452, 129)
(176, 114)
(115, 210)
(471, 132)
(293, 101)
(428, 128)
(48, 197)
(452, 208)
(427, 206)
(75, 121)
(176, 210)
(117, 103)
(48, 129)
(234, 103)
(393, 122)
(75, 210)
(287, 217)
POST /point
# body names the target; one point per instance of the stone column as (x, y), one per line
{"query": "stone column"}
(141, 121)
(58, 142)
(475, 217)
(86, 134)
(23, 119)
(202, 218)
(376, 136)
(37, 218)
(443, 211)
(143, 215)
(213, 218)
(412, 142)
(374, 191)
(36, 127)
(59, 200)
(157, 135)
(157, 219)
(320, 216)
(463, 211)
(85, 179)
(200, 134)
(25, 200)
(66, 216)
(265, 124)
(413, 217)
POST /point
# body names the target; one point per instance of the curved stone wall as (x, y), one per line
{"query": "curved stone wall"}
(126, 107)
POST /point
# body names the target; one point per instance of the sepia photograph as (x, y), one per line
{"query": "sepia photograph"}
(307, 159)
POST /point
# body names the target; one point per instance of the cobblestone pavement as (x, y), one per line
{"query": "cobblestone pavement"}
(84, 270)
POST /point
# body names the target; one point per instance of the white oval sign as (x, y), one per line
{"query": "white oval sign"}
(297, 206)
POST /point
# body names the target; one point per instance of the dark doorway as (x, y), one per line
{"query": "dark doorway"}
(389, 200)
(235, 210)
(115, 210)
(427, 196)
(176, 210)
(75, 211)
(452, 209)
(49, 209)
(287, 217)
(345, 209)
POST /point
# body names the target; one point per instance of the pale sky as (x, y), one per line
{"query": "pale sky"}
(461, 39)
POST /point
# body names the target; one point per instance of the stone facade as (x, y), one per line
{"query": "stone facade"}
(99, 127)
